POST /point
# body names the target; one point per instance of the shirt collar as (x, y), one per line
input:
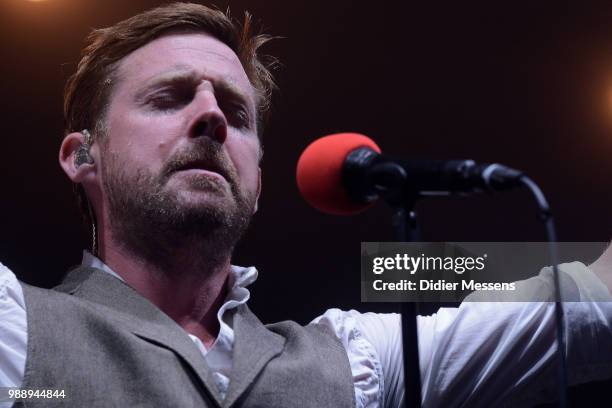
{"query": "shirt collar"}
(219, 356)
(240, 277)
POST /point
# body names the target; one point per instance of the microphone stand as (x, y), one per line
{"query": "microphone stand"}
(388, 180)
(406, 230)
(385, 181)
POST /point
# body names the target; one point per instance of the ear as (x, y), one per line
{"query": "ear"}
(258, 190)
(67, 154)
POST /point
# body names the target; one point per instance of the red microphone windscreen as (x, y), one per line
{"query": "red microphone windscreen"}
(319, 172)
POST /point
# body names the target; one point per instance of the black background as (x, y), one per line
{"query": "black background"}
(528, 84)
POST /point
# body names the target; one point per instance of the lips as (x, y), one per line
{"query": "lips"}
(202, 165)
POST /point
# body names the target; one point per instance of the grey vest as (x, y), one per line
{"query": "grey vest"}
(107, 346)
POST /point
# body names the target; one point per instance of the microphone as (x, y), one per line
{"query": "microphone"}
(346, 173)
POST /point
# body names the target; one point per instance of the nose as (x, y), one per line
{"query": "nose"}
(209, 120)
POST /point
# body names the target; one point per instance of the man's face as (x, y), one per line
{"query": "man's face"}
(181, 149)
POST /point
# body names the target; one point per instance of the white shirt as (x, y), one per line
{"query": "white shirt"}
(479, 354)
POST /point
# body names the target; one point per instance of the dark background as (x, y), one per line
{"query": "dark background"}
(528, 84)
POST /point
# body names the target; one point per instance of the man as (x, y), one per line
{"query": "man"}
(163, 117)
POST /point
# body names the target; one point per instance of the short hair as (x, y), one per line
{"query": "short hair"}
(88, 90)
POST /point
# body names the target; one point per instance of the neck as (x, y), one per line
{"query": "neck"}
(189, 289)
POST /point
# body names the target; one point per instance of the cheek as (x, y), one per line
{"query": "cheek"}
(246, 160)
(141, 139)
(251, 179)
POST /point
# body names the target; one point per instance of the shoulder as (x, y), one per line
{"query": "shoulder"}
(41, 300)
(51, 312)
(316, 332)
(370, 340)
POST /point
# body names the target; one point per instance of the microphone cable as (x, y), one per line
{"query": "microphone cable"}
(545, 215)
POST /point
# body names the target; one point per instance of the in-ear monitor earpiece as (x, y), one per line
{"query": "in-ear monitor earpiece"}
(82, 155)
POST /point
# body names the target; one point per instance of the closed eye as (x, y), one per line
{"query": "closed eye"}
(237, 115)
(170, 98)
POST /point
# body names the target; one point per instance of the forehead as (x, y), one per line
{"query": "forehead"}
(200, 53)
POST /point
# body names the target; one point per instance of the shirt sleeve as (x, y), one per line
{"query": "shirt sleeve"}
(365, 363)
(482, 354)
(13, 330)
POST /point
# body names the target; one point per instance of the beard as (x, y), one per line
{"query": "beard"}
(158, 224)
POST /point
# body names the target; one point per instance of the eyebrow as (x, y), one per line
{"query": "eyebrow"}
(181, 76)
